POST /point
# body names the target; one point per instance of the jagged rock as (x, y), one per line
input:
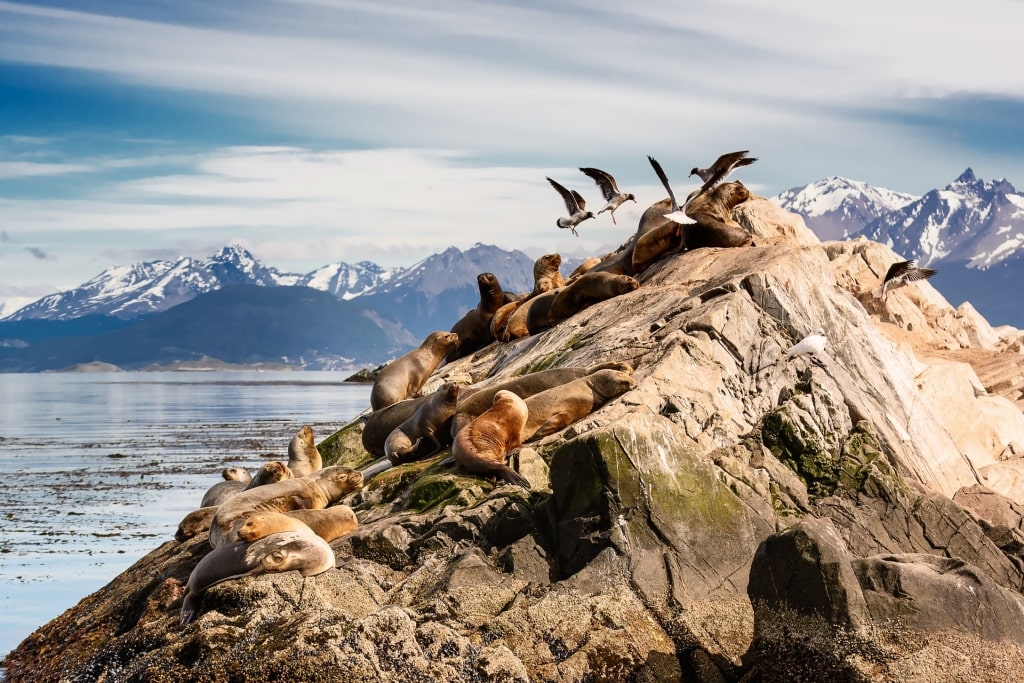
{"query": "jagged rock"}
(737, 516)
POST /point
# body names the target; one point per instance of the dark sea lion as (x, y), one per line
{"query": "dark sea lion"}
(472, 405)
(315, 491)
(269, 473)
(588, 289)
(559, 407)
(482, 446)
(474, 328)
(404, 377)
(300, 550)
(195, 523)
(654, 217)
(381, 423)
(303, 456)
(714, 225)
(531, 317)
(418, 436)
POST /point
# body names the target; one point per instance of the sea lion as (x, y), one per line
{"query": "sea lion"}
(270, 472)
(587, 290)
(474, 328)
(559, 407)
(303, 456)
(329, 524)
(485, 442)
(585, 266)
(531, 317)
(300, 550)
(315, 491)
(546, 275)
(714, 225)
(236, 474)
(651, 246)
(499, 321)
(404, 376)
(195, 523)
(417, 437)
(381, 423)
(471, 405)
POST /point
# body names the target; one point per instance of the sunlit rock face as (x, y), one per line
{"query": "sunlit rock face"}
(738, 515)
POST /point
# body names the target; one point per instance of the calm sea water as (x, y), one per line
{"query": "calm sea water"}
(96, 470)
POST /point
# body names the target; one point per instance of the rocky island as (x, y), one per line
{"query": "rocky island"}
(853, 515)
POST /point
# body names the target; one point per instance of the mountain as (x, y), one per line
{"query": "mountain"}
(347, 281)
(240, 324)
(835, 207)
(434, 293)
(972, 221)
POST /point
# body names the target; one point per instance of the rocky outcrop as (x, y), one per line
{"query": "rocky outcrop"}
(737, 516)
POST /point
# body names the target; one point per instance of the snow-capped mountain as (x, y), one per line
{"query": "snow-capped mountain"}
(836, 207)
(970, 220)
(347, 281)
(149, 287)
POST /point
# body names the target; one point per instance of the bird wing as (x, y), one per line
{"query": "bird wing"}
(570, 200)
(580, 202)
(898, 270)
(664, 181)
(920, 274)
(723, 166)
(604, 180)
(729, 160)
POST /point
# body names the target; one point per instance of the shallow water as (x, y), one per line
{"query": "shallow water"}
(96, 470)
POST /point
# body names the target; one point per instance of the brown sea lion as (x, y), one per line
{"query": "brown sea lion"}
(531, 317)
(303, 456)
(195, 523)
(546, 275)
(486, 441)
(587, 290)
(417, 437)
(269, 473)
(300, 550)
(316, 491)
(404, 377)
(584, 267)
(329, 523)
(472, 405)
(474, 328)
(381, 423)
(559, 407)
(653, 245)
(714, 225)
(500, 319)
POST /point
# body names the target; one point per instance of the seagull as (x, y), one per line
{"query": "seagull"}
(677, 215)
(609, 189)
(901, 273)
(575, 205)
(812, 344)
(722, 167)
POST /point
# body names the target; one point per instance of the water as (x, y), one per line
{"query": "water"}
(96, 470)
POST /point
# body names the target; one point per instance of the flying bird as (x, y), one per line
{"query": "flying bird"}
(901, 273)
(575, 205)
(676, 215)
(722, 167)
(609, 189)
(811, 344)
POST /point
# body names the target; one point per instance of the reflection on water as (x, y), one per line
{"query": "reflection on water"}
(97, 470)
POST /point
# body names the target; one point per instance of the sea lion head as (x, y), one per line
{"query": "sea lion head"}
(488, 283)
(731, 194)
(611, 383)
(272, 472)
(509, 398)
(449, 392)
(338, 480)
(287, 550)
(625, 283)
(548, 263)
(236, 474)
(443, 340)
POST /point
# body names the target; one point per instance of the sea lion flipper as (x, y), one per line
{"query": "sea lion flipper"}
(513, 477)
(552, 424)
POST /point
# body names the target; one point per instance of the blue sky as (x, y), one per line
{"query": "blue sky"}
(315, 131)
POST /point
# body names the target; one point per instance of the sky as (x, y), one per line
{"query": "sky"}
(318, 131)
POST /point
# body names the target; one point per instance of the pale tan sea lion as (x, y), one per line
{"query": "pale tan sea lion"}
(300, 550)
(546, 275)
(316, 491)
(588, 290)
(331, 523)
(418, 436)
(471, 405)
(236, 474)
(269, 473)
(404, 377)
(259, 524)
(559, 407)
(474, 328)
(482, 446)
(585, 267)
(303, 456)
(500, 320)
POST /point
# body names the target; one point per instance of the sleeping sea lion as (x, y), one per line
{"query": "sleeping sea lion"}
(329, 524)
(482, 446)
(714, 225)
(270, 472)
(300, 550)
(590, 288)
(405, 376)
(315, 491)
(559, 407)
